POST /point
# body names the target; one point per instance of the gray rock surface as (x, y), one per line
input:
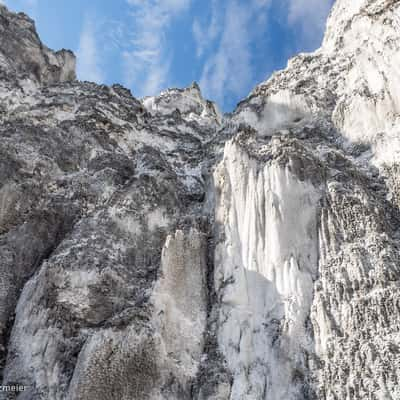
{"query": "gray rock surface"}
(156, 249)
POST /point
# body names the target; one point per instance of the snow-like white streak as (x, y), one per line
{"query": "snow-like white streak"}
(265, 266)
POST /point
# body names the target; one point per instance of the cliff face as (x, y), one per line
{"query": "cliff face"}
(155, 249)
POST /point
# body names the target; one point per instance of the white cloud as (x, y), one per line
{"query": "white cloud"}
(229, 70)
(204, 36)
(88, 62)
(147, 62)
(309, 18)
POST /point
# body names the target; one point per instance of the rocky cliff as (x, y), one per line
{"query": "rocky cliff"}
(156, 249)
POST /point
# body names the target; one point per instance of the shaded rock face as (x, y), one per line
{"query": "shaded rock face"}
(155, 249)
(23, 56)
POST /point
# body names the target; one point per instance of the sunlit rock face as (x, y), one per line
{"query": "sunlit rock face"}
(350, 82)
(156, 249)
(187, 102)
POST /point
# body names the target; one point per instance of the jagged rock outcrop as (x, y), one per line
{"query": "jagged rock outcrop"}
(156, 249)
(25, 62)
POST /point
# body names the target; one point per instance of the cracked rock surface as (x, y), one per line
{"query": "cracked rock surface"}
(157, 249)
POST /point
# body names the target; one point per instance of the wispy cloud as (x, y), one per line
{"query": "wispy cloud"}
(88, 61)
(205, 35)
(229, 70)
(309, 18)
(147, 61)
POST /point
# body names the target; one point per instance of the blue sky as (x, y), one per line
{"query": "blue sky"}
(227, 46)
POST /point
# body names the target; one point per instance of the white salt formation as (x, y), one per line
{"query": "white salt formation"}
(156, 250)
